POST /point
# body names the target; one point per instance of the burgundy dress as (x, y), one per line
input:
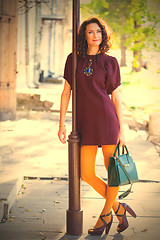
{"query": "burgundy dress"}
(97, 121)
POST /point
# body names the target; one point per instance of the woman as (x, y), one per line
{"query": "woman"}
(99, 117)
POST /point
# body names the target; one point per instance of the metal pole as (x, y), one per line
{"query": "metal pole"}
(37, 41)
(26, 42)
(74, 214)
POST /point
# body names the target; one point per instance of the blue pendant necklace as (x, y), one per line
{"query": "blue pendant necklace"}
(88, 70)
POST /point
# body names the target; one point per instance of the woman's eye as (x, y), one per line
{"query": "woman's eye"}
(99, 31)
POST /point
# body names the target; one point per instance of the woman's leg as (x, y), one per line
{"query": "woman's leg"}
(108, 151)
(112, 192)
(88, 157)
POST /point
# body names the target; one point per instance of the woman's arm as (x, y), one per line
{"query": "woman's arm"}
(65, 97)
(116, 99)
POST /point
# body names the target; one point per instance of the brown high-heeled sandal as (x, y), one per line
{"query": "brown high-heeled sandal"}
(124, 225)
(99, 231)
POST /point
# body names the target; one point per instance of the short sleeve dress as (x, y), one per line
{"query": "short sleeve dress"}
(97, 121)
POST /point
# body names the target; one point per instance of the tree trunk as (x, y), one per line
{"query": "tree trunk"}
(123, 51)
(137, 62)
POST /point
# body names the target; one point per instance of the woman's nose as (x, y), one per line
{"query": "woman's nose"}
(95, 34)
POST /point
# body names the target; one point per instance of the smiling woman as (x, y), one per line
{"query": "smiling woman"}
(99, 116)
(92, 31)
(93, 38)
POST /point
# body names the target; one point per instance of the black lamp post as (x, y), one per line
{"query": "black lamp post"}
(74, 213)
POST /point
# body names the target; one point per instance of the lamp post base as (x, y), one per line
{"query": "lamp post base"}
(74, 222)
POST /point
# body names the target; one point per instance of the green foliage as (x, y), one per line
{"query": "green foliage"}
(135, 63)
(139, 20)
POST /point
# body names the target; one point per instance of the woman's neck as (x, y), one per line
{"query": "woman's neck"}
(92, 51)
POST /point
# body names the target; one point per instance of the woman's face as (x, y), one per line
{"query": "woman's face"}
(93, 35)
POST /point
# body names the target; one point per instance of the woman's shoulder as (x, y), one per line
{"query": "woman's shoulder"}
(69, 57)
(108, 57)
(109, 60)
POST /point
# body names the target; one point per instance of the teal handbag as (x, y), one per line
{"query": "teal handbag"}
(122, 170)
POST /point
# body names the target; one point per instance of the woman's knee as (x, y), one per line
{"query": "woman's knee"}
(84, 176)
(88, 156)
(88, 177)
(108, 151)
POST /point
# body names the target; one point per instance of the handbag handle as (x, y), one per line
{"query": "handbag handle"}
(124, 147)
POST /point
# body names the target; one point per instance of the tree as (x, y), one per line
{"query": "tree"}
(135, 23)
(143, 31)
(114, 13)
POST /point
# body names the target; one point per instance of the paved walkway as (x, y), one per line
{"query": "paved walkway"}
(40, 212)
(30, 147)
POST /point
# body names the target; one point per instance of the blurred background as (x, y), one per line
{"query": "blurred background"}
(35, 40)
(36, 37)
(42, 38)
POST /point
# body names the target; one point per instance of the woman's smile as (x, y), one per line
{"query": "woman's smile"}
(93, 35)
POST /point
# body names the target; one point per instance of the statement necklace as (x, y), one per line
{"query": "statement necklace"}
(88, 70)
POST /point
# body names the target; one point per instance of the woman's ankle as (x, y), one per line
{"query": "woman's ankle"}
(100, 222)
(119, 212)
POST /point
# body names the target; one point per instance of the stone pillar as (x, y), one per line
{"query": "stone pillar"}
(8, 48)
(154, 128)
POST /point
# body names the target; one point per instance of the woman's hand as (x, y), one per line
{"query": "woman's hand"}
(62, 134)
(121, 137)
(65, 97)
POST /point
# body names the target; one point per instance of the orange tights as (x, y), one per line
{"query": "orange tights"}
(88, 157)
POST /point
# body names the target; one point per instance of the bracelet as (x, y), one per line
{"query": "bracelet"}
(62, 125)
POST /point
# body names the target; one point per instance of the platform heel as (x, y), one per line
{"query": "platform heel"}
(99, 231)
(124, 225)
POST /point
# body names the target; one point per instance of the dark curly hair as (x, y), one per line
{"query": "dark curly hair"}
(82, 42)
